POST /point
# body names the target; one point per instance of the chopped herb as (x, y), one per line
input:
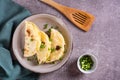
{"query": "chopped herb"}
(31, 39)
(48, 32)
(58, 47)
(52, 27)
(49, 49)
(42, 45)
(52, 50)
(65, 50)
(86, 62)
(28, 59)
(50, 39)
(48, 59)
(55, 27)
(61, 58)
(45, 26)
(33, 59)
(53, 62)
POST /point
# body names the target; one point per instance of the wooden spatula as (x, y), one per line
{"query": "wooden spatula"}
(81, 19)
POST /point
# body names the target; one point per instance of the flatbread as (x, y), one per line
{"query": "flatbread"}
(45, 46)
(57, 46)
(32, 39)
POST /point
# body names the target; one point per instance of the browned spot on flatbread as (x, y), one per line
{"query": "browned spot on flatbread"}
(32, 36)
(28, 31)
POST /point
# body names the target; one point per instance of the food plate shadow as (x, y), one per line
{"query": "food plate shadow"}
(73, 70)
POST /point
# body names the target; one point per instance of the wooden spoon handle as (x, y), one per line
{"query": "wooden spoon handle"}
(52, 3)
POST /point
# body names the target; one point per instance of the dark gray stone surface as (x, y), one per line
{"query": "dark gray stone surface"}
(103, 40)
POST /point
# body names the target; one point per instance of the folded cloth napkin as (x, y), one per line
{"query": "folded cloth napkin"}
(11, 14)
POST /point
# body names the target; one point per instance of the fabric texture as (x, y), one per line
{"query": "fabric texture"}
(11, 14)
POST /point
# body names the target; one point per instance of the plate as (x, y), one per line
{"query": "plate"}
(40, 20)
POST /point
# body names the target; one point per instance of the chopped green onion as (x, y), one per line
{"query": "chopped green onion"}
(52, 50)
(49, 30)
(49, 49)
(86, 62)
(42, 45)
(28, 59)
(45, 26)
(52, 26)
(65, 50)
(61, 58)
(53, 62)
(31, 39)
(50, 39)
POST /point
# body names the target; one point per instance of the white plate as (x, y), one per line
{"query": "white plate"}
(40, 20)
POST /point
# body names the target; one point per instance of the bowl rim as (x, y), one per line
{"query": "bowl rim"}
(61, 23)
(93, 58)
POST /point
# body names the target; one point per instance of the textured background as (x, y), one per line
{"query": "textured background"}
(102, 40)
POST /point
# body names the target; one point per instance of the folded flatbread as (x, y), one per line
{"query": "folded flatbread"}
(57, 46)
(32, 39)
(45, 47)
